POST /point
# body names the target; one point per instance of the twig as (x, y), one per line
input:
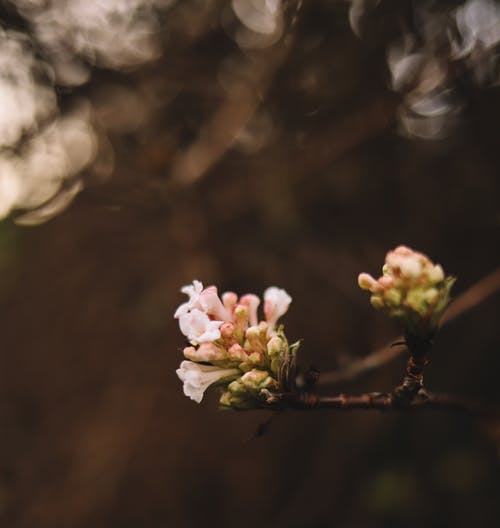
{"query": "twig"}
(469, 299)
(382, 402)
(473, 296)
(413, 380)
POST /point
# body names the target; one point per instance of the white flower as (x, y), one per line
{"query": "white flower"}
(197, 378)
(212, 305)
(205, 300)
(276, 303)
(198, 328)
(193, 291)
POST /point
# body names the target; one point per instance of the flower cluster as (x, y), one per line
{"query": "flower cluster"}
(230, 347)
(412, 289)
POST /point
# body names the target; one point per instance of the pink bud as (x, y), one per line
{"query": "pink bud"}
(254, 339)
(386, 282)
(404, 251)
(208, 352)
(237, 353)
(229, 299)
(227, 329)
(366, 282)
(252, 302)
(241, 316)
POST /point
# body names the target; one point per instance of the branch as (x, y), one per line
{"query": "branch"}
(472, 297)
(382, 402)
(469, 299)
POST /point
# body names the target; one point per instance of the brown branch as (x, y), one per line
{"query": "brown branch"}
(472, 297)
(469, 299)
(382, 402)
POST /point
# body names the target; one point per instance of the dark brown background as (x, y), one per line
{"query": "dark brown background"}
(95, 430)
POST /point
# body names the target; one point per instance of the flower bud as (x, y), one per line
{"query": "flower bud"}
(206, 352)
(228, 400)
(392, 297)
(229, 300)
(377, 302)
(237, 353)
(263, 329)
(241, 316)
(275, 346)
(436, 273)
(245, 392)
(254, 339)
(256, 380)
(412, 289)
(230, 334)
(252, 302)
(366, 282)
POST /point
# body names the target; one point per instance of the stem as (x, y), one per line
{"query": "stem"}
(380, 401)
(413, 381)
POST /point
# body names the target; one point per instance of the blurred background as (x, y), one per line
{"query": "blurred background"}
(244, 143)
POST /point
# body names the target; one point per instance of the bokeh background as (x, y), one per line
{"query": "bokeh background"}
(244, 143)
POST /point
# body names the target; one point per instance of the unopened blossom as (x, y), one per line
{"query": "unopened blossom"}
(276, 303)
(412, 289)
(229, 300)
(242, 392)
(252, 302)
(206, 353)
(197, 378)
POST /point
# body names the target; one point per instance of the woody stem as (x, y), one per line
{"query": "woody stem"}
(413, 380)
(382, 402)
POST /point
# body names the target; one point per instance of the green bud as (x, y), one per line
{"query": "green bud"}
(275, 346)
(392, 297)
(377, 302)
(255, 380)
(232, 401)
(416, 300)
(412, 289)
(431, 295)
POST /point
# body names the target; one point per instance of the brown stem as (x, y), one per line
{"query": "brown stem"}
(382, 402)
(413, 381)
